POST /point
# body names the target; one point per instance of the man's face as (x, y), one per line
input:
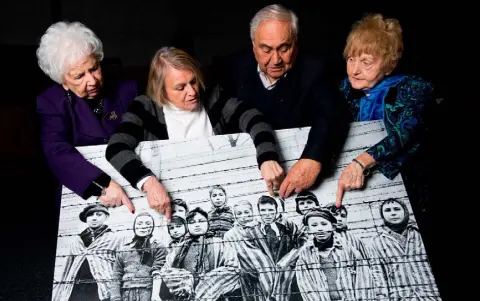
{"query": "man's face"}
(96, 219)
(274, 48)
(268, 212)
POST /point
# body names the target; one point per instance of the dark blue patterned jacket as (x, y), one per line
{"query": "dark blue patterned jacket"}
(403, 116)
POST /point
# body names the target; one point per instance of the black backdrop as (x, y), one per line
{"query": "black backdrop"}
(131, 32)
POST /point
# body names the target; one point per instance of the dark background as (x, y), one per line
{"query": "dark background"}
(131, 32)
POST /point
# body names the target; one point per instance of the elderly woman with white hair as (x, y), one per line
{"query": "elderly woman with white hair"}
(79, 109)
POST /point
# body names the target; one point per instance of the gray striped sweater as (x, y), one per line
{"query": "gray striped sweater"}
(145, 121)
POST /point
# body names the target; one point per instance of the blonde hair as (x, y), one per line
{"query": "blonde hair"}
(169, 57)
(376, 36)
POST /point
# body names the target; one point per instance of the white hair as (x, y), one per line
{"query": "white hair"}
(275, 12)
(63, 44)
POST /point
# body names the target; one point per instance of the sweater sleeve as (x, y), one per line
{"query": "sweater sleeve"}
(121, 147)
(238, 114)
(64, 160)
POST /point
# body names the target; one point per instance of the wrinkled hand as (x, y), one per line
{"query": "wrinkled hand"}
(352, 178)
(302, 176)
(115, 196)
(157, 197)
(273, 174)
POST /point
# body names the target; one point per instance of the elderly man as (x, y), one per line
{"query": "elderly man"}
(289, 89)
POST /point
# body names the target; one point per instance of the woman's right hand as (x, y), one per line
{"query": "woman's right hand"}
(157, 197)
(116, 196)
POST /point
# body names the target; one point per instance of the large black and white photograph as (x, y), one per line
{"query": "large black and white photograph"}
(229, 239)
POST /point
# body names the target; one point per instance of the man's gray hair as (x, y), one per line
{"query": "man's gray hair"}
(64, 43)
(275, 12)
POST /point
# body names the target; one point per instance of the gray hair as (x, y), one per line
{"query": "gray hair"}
(65, 43)
(274, 12)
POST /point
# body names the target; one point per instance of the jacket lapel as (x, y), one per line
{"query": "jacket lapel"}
(86, 121)
(112, 113)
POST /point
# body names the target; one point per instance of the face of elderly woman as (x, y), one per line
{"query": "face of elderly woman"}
(393, 213)
(365, 71)
(84, 78)
(181, 87)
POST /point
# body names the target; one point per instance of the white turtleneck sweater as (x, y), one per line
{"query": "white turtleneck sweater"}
(183, 124)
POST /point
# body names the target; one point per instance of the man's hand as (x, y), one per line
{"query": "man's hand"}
(302, 176)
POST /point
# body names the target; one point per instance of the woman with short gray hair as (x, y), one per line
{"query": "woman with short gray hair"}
(79, 109)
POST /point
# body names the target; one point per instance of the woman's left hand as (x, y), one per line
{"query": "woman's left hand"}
(352, 176)
(273, 175)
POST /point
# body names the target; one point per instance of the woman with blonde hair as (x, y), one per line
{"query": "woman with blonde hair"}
(178, 105)
(372, 91)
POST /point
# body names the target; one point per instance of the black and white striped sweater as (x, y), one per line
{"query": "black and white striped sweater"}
(145, 121)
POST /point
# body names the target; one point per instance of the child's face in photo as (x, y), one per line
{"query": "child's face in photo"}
(197, 225)
(176, 230)
(305, 205)
(179, 210)
(218, 197)
(321, 228)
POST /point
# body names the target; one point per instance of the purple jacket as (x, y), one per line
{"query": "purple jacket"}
(65, 125)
